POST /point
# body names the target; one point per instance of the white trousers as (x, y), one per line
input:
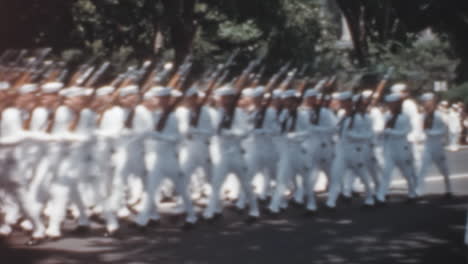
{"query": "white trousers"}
(433, 152)
(232, 162)
(351, 156)
(400, 155)
(160, 166)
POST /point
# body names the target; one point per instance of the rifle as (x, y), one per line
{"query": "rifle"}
(183, 69)
(141, 73)
(90, 83)
(429, 120)
(285, 86)
(378, 91)
(214, 81)
(228, 117)
(27, 75)
(260, 116)
(328, 89)
(380, 87)
(357, 104)
(302, 87)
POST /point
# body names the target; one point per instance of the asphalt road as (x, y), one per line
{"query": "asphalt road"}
(428, 231)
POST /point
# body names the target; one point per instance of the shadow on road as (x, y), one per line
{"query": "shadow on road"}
(429, 231)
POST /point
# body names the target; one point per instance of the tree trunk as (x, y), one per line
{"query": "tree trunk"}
(182, 26)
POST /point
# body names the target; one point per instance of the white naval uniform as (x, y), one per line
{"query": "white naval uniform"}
(129, 166)
(12, 185)
(57, 150)
(75, 166)
(227, 157)
(111, 134)
(194, 151)
(371, 163)
(352, 153)
(397, 153)
(320, 145)
(292, 162)
(434, 152)
(161, 155)
(261, 154)
(31, 153)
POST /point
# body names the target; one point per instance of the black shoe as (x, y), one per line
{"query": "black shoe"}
(355, 194)
(251, 219)
(34, 242)
(329, 209)
(138, 227)
(367, 207)
(187, 226)
(116, 234)
(239, 210)
(448, 196)
(410, 200)
(153, 223)
(296, 204)
(80, 230)
(379, 203)
(346, 199)
(310, 213)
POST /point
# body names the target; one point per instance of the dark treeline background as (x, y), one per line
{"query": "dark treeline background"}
(383, 31)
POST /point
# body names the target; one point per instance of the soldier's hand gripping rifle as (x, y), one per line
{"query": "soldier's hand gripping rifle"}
(326, 87)
(302, 86)
(239, 85)
(285, 85)
(185, 70)
(214, 80)
(272, 83)
(91, 83)
(378, 92)
(28, 74)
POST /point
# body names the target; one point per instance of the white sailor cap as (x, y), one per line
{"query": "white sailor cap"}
(192, 91)
(366, 94)
(4, 86)
(311, 93)
(76, 91)
(52, 87)
(260, 90)
(105, 90)
(398, 88)
(393, 97)
(176, 93)
(445, 103)
(28, 88)
(277, 94)
(252, 92)
(157, 91)
(289, 93)
(341, 96)
(128, 90)
(225, 90)
(427, 97)
(356, 97)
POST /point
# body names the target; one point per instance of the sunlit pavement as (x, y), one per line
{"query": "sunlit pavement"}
(428, 231)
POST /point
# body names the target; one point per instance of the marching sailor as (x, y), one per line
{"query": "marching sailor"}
(158, 126)
(435, 130)
(292, 165)
(397, 148)
(355, 134)
(195, 125)
(261, 155)
(227, 153)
